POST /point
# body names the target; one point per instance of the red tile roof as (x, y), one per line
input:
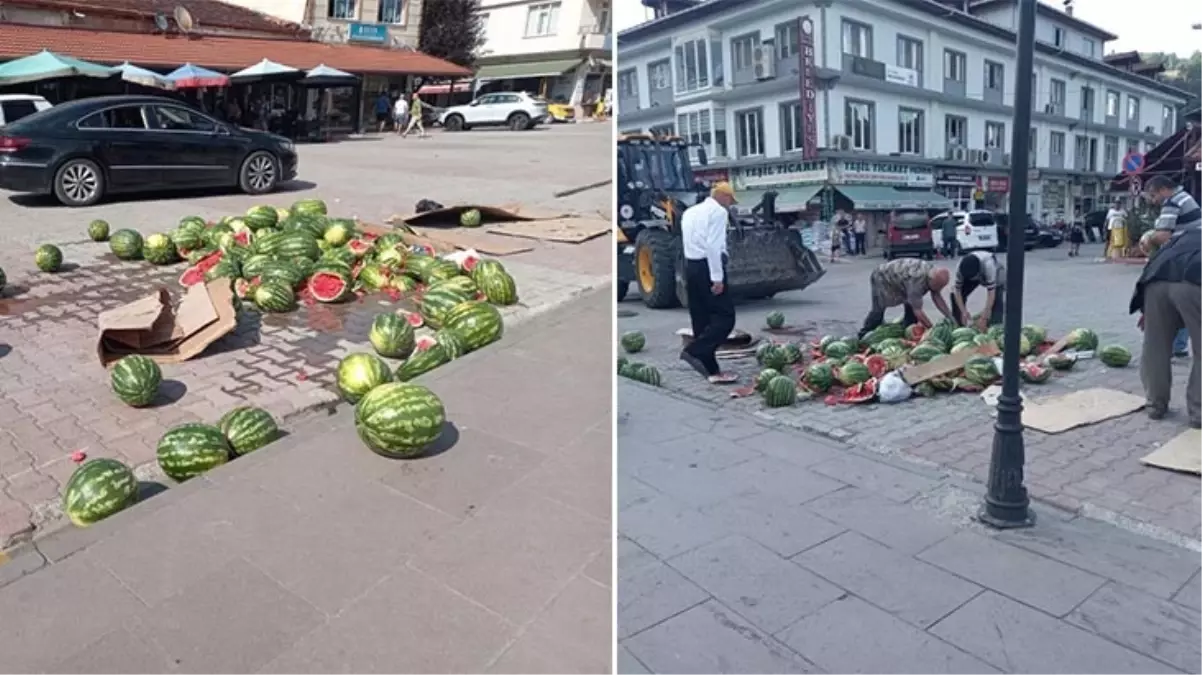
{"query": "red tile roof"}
(220, 53)
(206, 13)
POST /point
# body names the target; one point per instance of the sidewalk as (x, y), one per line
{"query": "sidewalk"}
(315, 555)
(748, 548)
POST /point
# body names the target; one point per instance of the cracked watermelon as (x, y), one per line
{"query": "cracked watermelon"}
(360, 373)
(191, 449)
(475, 323)
(136, 379)
(329, 286)
(247, 429)
(392, 336)
(780, 392)
(1061, 361)
(1034, 373)
(425, 358)
(1083, 340)
(97, 489)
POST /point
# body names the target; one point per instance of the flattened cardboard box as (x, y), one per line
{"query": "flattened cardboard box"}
(151, 327)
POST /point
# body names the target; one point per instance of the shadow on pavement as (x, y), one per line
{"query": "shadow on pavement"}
(39, 201)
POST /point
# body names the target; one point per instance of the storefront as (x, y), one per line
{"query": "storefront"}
(875, 190)
(795, 182)
(958, 186)
(994, 193)
(1055, 199)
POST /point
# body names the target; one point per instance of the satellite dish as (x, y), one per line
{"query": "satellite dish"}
(183, 18)
(160, 21)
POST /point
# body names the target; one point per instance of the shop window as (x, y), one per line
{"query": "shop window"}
(342, 9)
(542, 20)
(391, 11)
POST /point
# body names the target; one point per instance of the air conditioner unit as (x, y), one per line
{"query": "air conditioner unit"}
(763, 62)
(986, 157)
(1006, 159)
(1050, 109)
(957, 153)
(974, 156)
(840, 142)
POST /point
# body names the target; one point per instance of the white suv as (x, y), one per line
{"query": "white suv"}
(517, 110)
(15, 106)
(975, 230)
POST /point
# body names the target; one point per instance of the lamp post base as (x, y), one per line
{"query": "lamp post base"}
(1006, 516)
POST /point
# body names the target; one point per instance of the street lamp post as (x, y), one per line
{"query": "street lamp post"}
(1006, 503)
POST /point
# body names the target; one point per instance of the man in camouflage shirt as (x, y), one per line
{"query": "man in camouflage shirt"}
(905, 281)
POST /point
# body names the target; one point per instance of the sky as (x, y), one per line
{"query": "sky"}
(1157, 25)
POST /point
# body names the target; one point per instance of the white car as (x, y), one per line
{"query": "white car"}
(15, 106)
(517, 110)
(975, 230)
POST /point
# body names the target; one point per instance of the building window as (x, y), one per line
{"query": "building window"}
(1087, 104)
(791, 125)
(1058, 37)
(1089, 47)
(603, 19)
(857, 39)
(749, 132)
(694, 127)
(1166, 120)
(995, 135)
(628, 84)
(1132, 109)
(858, 123)
(1080, 152)
(909, 53)
(542, 20)
(692, 66)
(742, 51)
(1111, 154)
(995, 76)
(788, 40)
(659, 74)
(956, 131)
(909, 131)
(954, 65)
(1032, 146)
(1092, 155)
(391, 11)
(342, 9)
(1112, 104)
(1056, 143)
(1056, 97)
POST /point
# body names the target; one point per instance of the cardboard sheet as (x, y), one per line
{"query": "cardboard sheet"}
(449, 216)
(943, 365)
(151, 327)
(474, 239)
(566, 230)
(1183, 453)
(1080, 408)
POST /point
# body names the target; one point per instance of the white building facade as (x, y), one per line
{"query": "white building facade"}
(560, 49)
(910, 101)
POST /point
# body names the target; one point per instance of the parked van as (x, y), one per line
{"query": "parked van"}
(975, 230)
(908, 233)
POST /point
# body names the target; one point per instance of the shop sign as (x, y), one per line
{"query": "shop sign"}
(899, 75)
(809, 89)
(376, 33)
(710, 176)
(956, 178)
(884, 173)
(780, 174)
(999, 184)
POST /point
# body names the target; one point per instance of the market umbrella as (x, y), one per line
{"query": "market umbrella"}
(325, 76)
(46, 65)
(146, 78)
(189, 76)
(264, 71)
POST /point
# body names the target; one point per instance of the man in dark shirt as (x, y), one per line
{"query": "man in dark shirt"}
(1169, 294)
(947, 230)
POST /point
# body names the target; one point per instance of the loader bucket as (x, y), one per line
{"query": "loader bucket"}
(766, 261)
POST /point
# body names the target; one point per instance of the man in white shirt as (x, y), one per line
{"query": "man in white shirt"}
(859, 230)
(400, 113)
(711, 309)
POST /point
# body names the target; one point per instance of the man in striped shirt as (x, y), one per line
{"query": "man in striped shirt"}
(1179, 211)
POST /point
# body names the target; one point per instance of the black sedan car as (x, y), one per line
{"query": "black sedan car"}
(82, 150)
(1030, 231)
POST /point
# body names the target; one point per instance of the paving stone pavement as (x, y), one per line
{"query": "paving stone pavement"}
(491, 554)
(55, 398)
(747, 547)
(1093, 470)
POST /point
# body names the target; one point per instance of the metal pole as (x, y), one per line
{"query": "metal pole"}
(1006, 502)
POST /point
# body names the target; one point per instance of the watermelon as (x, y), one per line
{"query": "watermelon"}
(877, 365)
(198, 272)
(436, 303)
(775, 320)
(1036, 334)
(337, 234)
(226, 268)
(888, 344)
(282, 271)
(470, 218)
(895, 356)
(980, 370)
(248, 429)
(193, 222)
(764, 377)
(374, 277)
(329, 286)
(633, 341)
(422, 361)
(646, 374)
(819, 377)
(1114, 356)
(961, 346)
(359, 373)
(399, 419)
(159, 249)
(476, 323)
(776, 357)
(97, 489)
(914, 332)
(392, 336)
(1082, 340)
(780, 392)
(962, 335)
(214, 235)
(136, 379)
(187, 240)
(836, 349)
(439, 270)
(309, 207)
(295, 245)
(126, 244)
(274, 297)
(925, 352)
(254, 264)
(393, 257)
(852, 373)
(499, 288)
(459, 284)
(940, 332)
(3, 281)
(860, 393)
(1034, 373)
(260, 217)
(48, 258)
(98, 230)
(452, 345)
(484, 267)
(1061, 361)
(189, 450)
(792, 352)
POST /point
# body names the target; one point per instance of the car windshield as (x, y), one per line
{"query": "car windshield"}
(981, 219)
(669, 167)
(912, 220)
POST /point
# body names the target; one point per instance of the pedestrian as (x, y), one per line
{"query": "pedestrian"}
(905, 281)
(836, 237)
(1179, 212)
(400, 113)
(843, 223)
(1076, 237)
(415, 118)
(947, 229)
(979, 269)
(383, 111)
(1116, 227)
(860, 230)
(1168, 296)
(711, 309)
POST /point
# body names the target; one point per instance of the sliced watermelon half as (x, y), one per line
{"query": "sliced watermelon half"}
(196, 273)
(328, 287)
(413, 318)
(877, 365)
(359, 246)
(861, 393)
(469, 263)
(425, 342)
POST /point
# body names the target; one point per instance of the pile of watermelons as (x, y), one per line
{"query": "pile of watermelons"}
(276, 259)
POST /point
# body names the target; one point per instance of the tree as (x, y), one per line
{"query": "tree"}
(452, 30)
(1184, 72)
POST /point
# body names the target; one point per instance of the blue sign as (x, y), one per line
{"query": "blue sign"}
(368, 32)
(1133, 162)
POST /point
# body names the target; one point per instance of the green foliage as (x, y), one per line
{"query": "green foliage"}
(452, 30)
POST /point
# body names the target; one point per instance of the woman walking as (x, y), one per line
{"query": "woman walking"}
(1116, 224)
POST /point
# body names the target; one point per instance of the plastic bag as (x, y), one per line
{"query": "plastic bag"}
(893, 388)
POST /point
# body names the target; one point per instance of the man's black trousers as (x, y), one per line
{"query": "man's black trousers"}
(712, 316)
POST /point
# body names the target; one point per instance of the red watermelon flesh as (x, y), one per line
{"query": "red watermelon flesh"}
(359, 247)
(414, 319)
(861, 393)
(877, 365)
(425, 342)
(196, 273)
(242, 238)
(469, 263)
(327, 287)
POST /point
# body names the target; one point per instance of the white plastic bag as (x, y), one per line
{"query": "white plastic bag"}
(893, 388)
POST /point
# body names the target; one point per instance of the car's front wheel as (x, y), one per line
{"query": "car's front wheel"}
(453, 123)
(79, 182)
(519, 121)
(260, 173)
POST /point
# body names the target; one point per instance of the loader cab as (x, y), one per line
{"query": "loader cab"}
(655, 179)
